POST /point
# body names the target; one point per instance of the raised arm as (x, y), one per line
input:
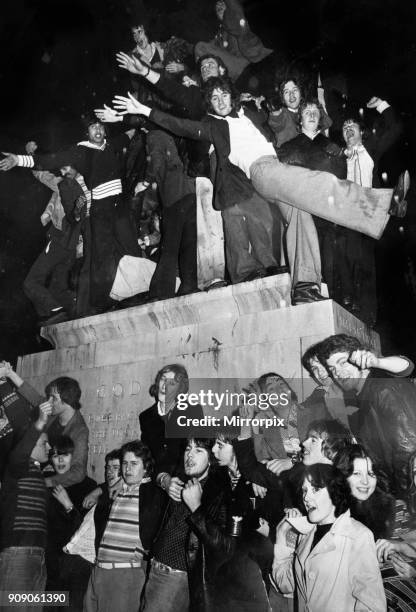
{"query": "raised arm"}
(388, 133)
(189, 97)
(395, 364)
(196, 130)
(71, 156)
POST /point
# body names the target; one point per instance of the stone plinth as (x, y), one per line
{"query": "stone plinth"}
(241, 331)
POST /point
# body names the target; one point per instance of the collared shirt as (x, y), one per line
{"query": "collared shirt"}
(360, 167)
(247, 143)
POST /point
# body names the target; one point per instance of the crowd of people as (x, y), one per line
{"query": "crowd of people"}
(298, 190)
(315, 513)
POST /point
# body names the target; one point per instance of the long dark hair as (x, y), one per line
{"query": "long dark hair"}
(376, 512)
(222, 83)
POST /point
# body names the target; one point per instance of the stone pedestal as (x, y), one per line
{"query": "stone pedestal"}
(237, 332)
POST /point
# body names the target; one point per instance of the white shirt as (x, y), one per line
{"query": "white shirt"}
(360, 167)
(247, 143)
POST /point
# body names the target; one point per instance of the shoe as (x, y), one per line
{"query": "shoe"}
(217, 283)
(398, 207)
(254, 276)
(58, 317)
(136, 300)
(305, 292)
(274, 270)
(188, 292)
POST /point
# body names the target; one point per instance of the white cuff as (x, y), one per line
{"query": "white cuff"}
(382, 106)
(25, 161)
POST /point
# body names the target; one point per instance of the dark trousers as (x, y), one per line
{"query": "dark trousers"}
(112, 236)
(46, 285)
(178, 248)
(248, 230)
(70, 573)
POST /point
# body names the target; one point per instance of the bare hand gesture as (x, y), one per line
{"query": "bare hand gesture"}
(281, 531)
(59, 493)
(192, 493)
(8, 162)
(92, 498)
(174, 489)
(107, 114)
(130, 105)
(174, 67)
(374, 102)
(131, 63)
(45, 410)
(363, 359)
(5, 369)
(277, 466)
(258, 490)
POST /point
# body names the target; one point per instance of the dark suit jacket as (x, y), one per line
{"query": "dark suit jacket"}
(387, 426)
(161, 435)
(231, 185)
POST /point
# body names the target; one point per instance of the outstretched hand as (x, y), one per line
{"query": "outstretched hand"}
(130, 105)
(131, 63)
(107, 114)
(8, 162)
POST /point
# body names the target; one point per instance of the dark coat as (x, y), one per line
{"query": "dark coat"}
(240, 39)
(283, 489)
(231, 185)
(387, 426)
(62, 525)
(189, 102)
(167, 451)
(69, 191)
(242, 581)
(210, 544)
(318, 153)
(386, 131)
(166, 169)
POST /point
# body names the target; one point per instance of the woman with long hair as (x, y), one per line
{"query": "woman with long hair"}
(369, 504)
(333, 565)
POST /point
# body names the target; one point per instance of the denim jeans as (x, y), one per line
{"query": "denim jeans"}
(322, 194)
(22, 569)
(111, 590)
(165, 590)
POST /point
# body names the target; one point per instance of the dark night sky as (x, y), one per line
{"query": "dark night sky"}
(57, 61)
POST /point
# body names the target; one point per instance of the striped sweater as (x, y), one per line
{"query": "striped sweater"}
(23, 497)
(121, 538)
